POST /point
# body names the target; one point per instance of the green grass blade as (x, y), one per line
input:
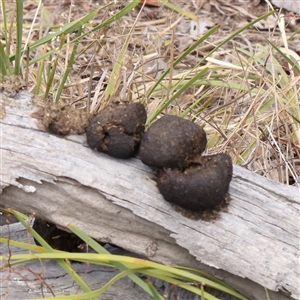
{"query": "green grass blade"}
(173, 275)
(294, 118)
(165, 103)
(22, 245)
(118, 15)
(144, 266)
(76, 24)
(294, 33)
(202, 292)
(100, 291)
(91, 242)
(179, 10)
(112, 19)
(205, 104)
(241, 30)
(69, 67)
(94, 245)
(53, 68)
(4, 62)
(155, 293)
(220, 83)
(280, 75)
(68, 28)
(184, 285)
(19, 11)
(180, 58)
(203, 38)
(66, 266)
(39, 77)
(40, 57)
(111, 86)
(5, 27)
(154, 87)
(291, 61)
(193, 105)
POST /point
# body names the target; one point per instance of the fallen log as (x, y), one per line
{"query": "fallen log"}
(252, 245)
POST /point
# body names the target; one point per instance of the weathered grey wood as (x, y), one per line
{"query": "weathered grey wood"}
(255, 243)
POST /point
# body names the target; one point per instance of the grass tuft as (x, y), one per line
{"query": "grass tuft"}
(186, 278)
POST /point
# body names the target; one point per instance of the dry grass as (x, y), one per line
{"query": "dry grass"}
(248, 102)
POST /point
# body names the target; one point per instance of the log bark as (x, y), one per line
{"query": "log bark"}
(252, 245)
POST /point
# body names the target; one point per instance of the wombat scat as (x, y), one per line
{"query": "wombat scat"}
(117, 129)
